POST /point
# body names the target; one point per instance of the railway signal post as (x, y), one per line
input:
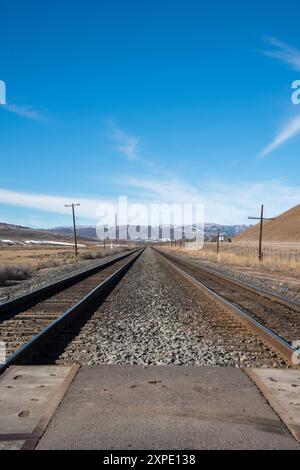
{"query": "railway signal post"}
(74, 226)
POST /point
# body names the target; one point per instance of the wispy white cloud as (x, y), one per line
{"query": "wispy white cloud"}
(124, 143)
(291, 56)
(291, 129)
(27, 112)
(223, 203)
(48, 203)
(283, 52)
(169, 190)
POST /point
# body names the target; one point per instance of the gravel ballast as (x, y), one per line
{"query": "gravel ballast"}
(153, 318)
(275, 284)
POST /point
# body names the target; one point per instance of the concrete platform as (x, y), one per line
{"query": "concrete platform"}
(162, 407)
(282, 390)
(29, 396)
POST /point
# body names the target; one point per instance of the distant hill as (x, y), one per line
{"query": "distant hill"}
(18, 233)
(210, 229)
(284, 229)
(228, 231)
(82, 231)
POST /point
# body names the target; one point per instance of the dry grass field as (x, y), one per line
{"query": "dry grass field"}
(35, 257)
(19, 262)
(277, 257)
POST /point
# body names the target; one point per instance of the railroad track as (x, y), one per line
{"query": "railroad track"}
(28, 323)
(205, 330)
(39, 327)
(274, 319)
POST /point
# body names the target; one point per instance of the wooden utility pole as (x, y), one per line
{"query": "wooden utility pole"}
(105, 230)
(74, 225)
(218, 241)
(261, 219)
(218, 245)
(116, 227)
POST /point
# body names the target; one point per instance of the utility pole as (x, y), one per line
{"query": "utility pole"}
(261, 219)
(218, 245)
(105, 230)
(116, 226)
(218, 241)
(74, 225)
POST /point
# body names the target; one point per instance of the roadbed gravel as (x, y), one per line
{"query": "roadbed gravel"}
(154, 318)
(275, 283)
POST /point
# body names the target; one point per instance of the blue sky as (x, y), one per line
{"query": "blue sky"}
(158, 100)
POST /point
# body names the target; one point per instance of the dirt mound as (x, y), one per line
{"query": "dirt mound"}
(284, 229)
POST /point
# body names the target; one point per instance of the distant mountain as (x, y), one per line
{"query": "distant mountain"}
(10, 232)
(17, 233)
(210, 230)
(82, 231)
(225, 230)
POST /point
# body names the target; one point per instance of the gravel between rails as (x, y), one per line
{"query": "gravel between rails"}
(153, 318)
(46, 276)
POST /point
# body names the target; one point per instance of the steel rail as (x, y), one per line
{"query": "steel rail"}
(285, 349)
(96, 296)
(23, 302)
(257, 290)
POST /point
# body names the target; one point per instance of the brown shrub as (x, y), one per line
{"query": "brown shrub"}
(14, 272)
(93, 255)
(48, 264)
(101, 254)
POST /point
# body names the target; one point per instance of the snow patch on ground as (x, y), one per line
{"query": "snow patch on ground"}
(38, 242)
